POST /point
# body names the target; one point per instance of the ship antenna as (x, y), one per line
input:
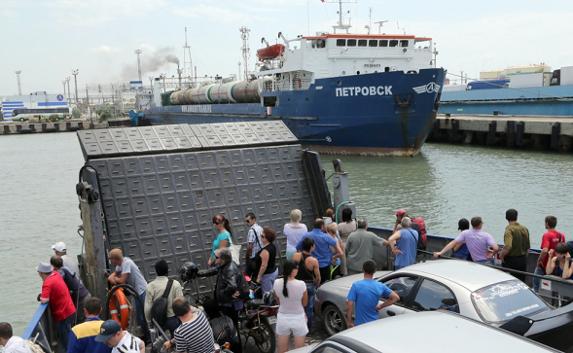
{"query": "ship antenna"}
(341, 25)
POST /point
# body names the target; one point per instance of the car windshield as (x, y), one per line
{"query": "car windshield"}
(503, 301)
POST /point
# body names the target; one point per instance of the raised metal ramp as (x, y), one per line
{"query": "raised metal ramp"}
(159, 187)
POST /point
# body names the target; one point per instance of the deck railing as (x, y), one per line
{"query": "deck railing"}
(40, 329)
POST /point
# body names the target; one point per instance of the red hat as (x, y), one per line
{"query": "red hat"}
(400, 213)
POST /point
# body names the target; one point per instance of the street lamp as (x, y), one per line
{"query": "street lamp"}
(138, 53)
(18, 72)
(75, 72)
(69, 92)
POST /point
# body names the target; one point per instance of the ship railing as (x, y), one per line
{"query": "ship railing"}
(555, 290)
(41, 330)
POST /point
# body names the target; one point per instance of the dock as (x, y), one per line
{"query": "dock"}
(68, 125)
(521, 132)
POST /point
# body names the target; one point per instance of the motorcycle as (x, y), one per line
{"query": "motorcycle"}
(253, 316)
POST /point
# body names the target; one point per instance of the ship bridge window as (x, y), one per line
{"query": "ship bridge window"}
(318, 43)
(362, 43)
(384, 43)
(393, 43)
(351, 43)
(373, 43)
(403, 43)
(341, 42)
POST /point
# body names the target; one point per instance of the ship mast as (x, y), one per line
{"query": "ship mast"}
(341, 25)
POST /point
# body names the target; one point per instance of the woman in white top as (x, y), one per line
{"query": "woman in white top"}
(294, 232)
(291, 295)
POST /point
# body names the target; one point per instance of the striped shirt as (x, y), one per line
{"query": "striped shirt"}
(128, 344)
(195, 336)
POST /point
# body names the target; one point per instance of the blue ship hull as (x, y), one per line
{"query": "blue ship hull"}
(377, 113)
(535, 101)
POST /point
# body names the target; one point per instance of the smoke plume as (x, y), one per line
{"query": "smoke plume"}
(151, 62)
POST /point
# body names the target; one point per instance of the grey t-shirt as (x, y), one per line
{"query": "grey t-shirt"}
(135, 278)
(360, 247)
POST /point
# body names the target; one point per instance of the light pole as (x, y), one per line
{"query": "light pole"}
(138, 53)
(69, 92)
(75, 72)
(64, 84)
(18, 72)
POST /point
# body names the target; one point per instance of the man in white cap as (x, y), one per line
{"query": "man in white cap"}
(57, 295)
(61, 251)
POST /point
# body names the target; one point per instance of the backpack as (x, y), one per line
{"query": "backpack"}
(419, 225)
(159, 307)
(243, 287)
(223, 329)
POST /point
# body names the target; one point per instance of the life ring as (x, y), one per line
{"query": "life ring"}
(119, 308)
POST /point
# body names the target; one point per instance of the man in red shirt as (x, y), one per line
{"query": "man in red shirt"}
(57, 295)
(549, 241)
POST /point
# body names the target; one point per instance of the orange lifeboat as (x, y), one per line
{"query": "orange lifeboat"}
(270, 52)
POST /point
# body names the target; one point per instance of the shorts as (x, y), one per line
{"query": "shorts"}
(294, 324)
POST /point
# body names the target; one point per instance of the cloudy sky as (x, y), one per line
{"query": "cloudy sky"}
(46, 39)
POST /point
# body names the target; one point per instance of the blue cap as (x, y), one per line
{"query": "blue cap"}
(107, 330)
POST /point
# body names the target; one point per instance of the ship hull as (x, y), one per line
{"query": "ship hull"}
(533, 101)
(370, 114)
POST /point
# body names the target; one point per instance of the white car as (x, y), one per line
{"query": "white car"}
(428, 332)
(475, 291)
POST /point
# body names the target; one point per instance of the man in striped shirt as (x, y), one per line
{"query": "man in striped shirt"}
(194, 335)
(119, 340)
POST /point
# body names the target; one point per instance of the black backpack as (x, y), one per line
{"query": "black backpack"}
(159, 307)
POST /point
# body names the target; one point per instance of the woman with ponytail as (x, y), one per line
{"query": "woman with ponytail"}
(224, 237)
(292, 297)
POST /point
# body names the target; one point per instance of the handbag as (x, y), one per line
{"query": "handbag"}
(235, 253)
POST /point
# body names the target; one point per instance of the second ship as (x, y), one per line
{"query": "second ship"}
(369, 94)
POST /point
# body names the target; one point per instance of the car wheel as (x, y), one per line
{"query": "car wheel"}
(333, 320)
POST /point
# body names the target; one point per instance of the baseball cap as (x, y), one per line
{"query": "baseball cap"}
(44, 267)
(59, 246)
(400, 213)
(107, 330)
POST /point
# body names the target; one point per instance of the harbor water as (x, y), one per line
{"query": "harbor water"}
(38, 205)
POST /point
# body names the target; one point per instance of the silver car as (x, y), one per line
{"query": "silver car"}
(430, 332)
(478, 292)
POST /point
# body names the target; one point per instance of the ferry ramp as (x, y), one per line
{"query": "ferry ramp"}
(152, 191)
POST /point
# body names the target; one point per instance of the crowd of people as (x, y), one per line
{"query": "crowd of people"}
(314, 256)
(475, 244)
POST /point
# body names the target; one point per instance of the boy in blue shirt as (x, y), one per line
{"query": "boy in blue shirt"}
(364, 296)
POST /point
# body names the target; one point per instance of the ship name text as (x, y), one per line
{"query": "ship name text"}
(364, 91)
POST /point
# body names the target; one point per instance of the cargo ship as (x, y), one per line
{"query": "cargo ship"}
(533, 90)
(372, 94)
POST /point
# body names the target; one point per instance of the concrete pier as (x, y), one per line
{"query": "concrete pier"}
(540, 132)
(26, 127)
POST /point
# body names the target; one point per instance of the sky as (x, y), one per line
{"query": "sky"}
(47, 39)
